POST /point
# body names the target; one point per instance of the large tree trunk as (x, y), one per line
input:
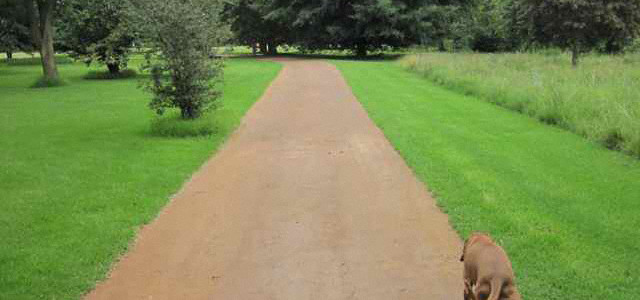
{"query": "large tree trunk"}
(273, 48)
(46, 9)
(34, 23)
(254, 48)
(441, 46)
(263, 48)
(9, 55)
(189, 112)
(361, 50)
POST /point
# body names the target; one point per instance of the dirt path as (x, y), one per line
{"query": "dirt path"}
(307, 200)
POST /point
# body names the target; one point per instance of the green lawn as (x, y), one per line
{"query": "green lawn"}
(567, 210)
(80, 171)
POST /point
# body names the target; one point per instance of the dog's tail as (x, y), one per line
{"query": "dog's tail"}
(496, 289)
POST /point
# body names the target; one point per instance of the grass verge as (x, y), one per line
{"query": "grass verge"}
(80, 172)
(564, 208)
(598, 100)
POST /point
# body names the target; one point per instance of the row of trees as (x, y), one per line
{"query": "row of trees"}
(357, 25)
(579, 26)
(480, 25)
(100, 30)
(179, 35)
(87, 30)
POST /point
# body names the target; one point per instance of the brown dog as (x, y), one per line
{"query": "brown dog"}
(487, 267)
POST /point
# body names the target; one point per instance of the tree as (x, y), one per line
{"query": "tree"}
(359, 25)
(251, 27)
(14, 34)
(40, 14)
(180, 36)
(578, 25)
(96, 30)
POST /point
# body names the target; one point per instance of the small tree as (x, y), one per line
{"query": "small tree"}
(180, 36)
(95, 30)
(578, 25)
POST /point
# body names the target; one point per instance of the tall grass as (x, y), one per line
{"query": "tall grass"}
(599, 100)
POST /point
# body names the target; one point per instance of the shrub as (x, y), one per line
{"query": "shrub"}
(107, 75)
(180, 36)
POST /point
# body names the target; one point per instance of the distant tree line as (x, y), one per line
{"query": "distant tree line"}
(105, 31)
(479, 25)
(97, 31)
(360, 26)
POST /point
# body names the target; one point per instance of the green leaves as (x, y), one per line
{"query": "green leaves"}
(180, 36)
(580, 25)
(97, 31)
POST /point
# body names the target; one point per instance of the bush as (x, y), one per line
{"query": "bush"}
(173, 125)
(106, 75)
(180, 36)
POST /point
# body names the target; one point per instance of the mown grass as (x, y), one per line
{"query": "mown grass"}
(566, 209)
(80, 171)
(598, 100)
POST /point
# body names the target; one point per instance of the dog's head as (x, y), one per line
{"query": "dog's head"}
(472, 240)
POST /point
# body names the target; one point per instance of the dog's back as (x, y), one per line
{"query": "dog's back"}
(487, 266)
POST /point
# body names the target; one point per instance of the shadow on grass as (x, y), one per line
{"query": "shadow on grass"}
(171, 125)
(373, 57)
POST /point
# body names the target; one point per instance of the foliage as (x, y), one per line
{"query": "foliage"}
(598, 101)
(365, 25)
(96, 30)
(356, 25)
(578, 25)
(102, 75)
(248, 22)
(14, 31)
(565, 209)
(180, 36)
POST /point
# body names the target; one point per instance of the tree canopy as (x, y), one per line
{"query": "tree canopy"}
(578, 25)
(14, 28)
(96, 30)
(357, 25)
